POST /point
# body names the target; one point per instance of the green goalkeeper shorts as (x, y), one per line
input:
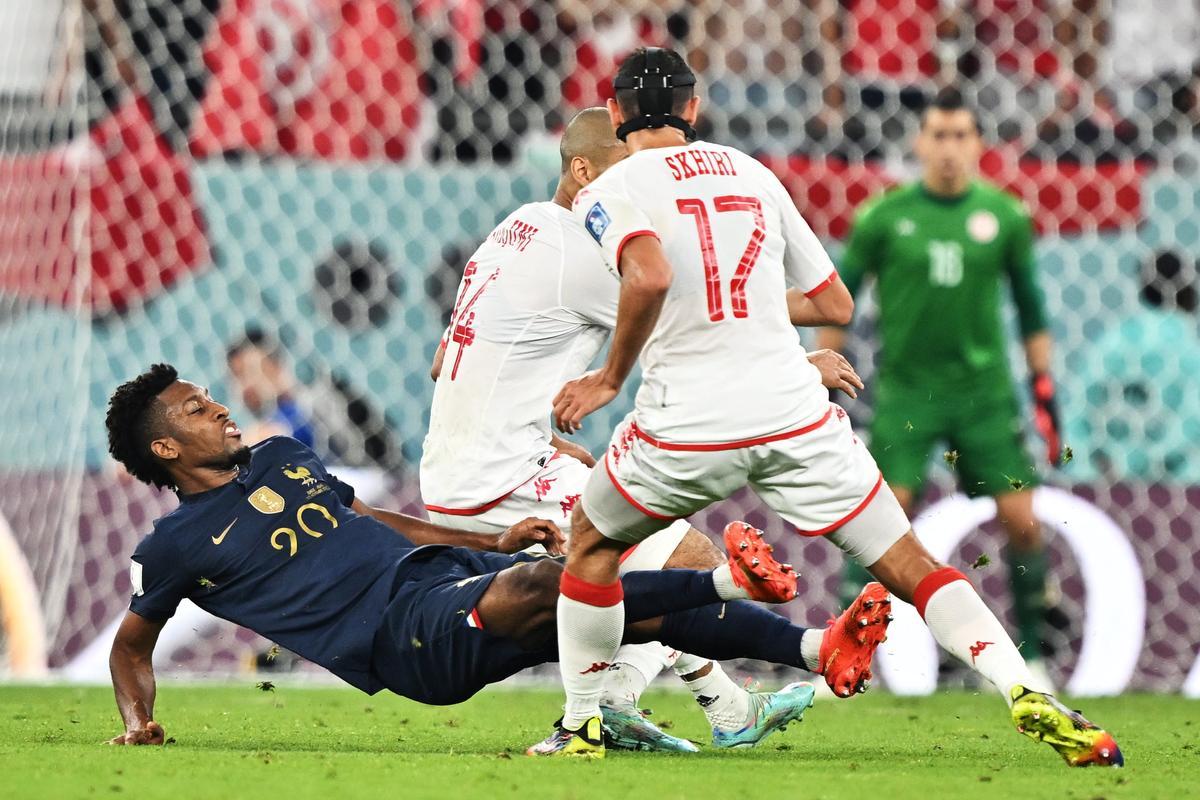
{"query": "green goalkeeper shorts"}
(978, 432)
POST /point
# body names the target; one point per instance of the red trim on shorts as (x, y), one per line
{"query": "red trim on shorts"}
(857, 510)
(592, 594)
(470, 512)
(629, 497)
(708, 447)
(823, 285)
(931, 583)
(625, 241)
(627, 554)
(474, 620)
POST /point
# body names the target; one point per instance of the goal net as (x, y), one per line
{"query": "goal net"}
(278, 197)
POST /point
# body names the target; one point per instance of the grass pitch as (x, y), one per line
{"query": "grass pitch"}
(236, 741)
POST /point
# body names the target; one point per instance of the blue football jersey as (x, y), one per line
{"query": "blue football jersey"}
(278, 550)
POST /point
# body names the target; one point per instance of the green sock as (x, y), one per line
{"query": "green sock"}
(1027, 577)
(854, 578)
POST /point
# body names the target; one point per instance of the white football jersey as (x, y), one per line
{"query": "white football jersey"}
(535, 305)
(724, 362)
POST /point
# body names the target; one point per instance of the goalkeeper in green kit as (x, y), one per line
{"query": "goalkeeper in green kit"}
(940, 249)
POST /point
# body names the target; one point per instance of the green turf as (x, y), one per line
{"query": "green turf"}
(236, 741)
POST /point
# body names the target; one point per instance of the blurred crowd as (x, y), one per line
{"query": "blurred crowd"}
(1083, 81)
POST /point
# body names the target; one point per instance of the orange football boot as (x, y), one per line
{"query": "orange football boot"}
(754, 568)
(850, 641)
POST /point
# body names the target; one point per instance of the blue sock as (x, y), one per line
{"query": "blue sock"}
(652, 593)
(734, 629)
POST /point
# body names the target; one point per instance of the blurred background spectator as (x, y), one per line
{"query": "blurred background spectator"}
(326, 414)
(268, 389)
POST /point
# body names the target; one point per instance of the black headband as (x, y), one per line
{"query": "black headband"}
(654, 86)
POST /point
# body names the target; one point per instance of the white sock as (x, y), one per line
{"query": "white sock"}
(588, 638)
(725, 704)
(810, 648)
(726, 588)
(962, 624)
(633, 669)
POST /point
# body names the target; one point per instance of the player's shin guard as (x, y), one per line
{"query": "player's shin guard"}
(591, 621)
(737, 629)
(966, 627)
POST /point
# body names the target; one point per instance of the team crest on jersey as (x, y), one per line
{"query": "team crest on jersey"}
(301, 474)
(597, 221)
(266, 500)
(305, 476)
(982, 226)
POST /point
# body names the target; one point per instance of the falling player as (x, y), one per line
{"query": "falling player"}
(265, 537)
(706, 239)
(940, 248)
(534, 307)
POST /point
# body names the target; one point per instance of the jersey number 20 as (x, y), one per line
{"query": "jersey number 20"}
(708, 253)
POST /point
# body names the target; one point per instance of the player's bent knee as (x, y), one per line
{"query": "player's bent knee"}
(588, 542)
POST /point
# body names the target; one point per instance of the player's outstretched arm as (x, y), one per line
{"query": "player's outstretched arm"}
(132, 668)
(525, 533)
(645, 278)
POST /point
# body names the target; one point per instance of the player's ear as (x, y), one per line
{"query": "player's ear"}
(614, 113)
(165, 448)
(691, 111)
(581, 171)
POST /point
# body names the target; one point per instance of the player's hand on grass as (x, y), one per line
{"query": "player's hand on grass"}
(153, 733)
(580, 397)
(529, 532)
(836, 372)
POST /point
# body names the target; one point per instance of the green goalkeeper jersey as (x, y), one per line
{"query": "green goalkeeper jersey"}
(940, 263)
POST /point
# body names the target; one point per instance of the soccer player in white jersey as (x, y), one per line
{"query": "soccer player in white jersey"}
(706, 241)
(534, 307)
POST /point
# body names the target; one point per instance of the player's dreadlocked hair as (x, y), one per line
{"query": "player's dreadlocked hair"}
(135, 419)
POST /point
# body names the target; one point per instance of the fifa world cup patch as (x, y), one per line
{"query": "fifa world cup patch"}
(597, 221)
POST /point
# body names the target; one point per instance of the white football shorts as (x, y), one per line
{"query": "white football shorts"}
(819, 477)
(551, 494)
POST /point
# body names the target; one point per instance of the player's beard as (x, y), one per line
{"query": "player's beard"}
(231, 460)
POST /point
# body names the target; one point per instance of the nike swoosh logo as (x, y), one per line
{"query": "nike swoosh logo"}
(221, 538)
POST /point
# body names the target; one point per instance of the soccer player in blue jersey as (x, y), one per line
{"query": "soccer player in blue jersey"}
(267, 538)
